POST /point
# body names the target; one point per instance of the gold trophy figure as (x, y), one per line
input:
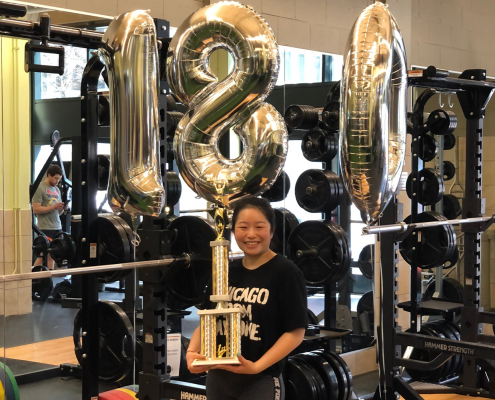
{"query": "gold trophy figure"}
(220, 294)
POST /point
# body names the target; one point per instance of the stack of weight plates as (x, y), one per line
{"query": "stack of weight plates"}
(317, 375)
(442, 329)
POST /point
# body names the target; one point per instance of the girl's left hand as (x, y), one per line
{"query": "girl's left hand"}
(245, 367)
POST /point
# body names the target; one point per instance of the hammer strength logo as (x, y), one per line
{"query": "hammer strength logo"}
(191, 396)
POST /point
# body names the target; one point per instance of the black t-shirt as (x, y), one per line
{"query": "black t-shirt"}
(273, 301)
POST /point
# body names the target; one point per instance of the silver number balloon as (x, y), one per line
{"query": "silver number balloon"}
(373, 111)
(129, 52)
(235, 102)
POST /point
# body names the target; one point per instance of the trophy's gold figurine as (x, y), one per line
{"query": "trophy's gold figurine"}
(220, 294)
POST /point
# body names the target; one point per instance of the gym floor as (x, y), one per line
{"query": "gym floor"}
(42, 340)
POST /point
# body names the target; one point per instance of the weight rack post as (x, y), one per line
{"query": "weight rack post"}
(89, 238)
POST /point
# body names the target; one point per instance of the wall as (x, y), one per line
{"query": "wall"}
(15, 231)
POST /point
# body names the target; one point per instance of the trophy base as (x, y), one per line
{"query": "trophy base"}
(218, 361)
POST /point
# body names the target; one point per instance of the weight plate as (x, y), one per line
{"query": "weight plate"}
(442, 122)
(430, 187)
(318, 252)
(138, 359)
(103, 171)
(279, 189)
(449, 141)
(453, 259)
(312, 318)
(62, 249)
(448, 170)
(346, 370)
(171, 103)
(419, 355)
(452, 290)
(448, 368)
(366, 261)
(319, 190)
(438, 373)
(366, 303)
(192, 236)
(428, 148)
(326, 372)
(114, 246)
(174, 188)
(451, 206)
(319, 146)
(437, 244)
(285, 223)
(346, 250)
(173, 119)
(301, 117)
(298, 382)
(116, 342)
(339, 372)
(315, 376)
(449, 334)
(40, 245)
(41, 288)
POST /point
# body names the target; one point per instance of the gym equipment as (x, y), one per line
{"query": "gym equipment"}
(451, 206)
(40, 246)
(285, 223)
(319, 146)
(173, 119)
(330, 116)
(437, 243)
(319, 190)
(448, 170)
(9, 390)
(428, 147)
(116, 342)
(448, 141)
(342, 372)
(174, 188)
(430, 187)
(312, 318)
(452, 367)
(366, 261)
(371, 159)
(103, 171)
(41, 288)
(256, 67)
(62, 249)
(452, 290)
(191, 236)
(366, 304)
(115, 245)
(279, 190)
(442, 122)
(135, 184)
(321, 251)
(301, 117)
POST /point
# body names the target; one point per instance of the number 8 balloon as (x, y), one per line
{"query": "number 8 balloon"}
(236, 102)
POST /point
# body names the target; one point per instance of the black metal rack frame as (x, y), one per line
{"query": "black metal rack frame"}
(473, 92)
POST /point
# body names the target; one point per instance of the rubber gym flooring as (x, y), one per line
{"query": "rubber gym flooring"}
(42, 340)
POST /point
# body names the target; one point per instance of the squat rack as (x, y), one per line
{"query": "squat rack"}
(473, 92)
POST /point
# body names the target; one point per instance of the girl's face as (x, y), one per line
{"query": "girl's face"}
(253, 232)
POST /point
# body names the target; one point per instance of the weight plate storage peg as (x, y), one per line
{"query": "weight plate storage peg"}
(437, 244)
(428, 147)
(301, 117)
(279, 189)
(321, 251)
(448, 170)
(319, 190)
(116, 342)
(430, 187)
(318, 145)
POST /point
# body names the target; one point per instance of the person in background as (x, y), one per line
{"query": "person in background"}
(47, 206)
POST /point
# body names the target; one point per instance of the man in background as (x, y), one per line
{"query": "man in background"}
(47, 206)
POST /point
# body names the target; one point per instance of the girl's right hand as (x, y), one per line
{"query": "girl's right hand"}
(196, 369)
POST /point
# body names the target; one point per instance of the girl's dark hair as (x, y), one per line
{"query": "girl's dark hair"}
(255, 202)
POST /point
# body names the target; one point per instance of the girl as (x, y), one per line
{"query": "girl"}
(271, 291)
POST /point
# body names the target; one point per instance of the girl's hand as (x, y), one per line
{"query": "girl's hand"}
(245, 367)
(196, 369)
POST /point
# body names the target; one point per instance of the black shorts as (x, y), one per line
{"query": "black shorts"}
(51, 232)
(226, 385)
